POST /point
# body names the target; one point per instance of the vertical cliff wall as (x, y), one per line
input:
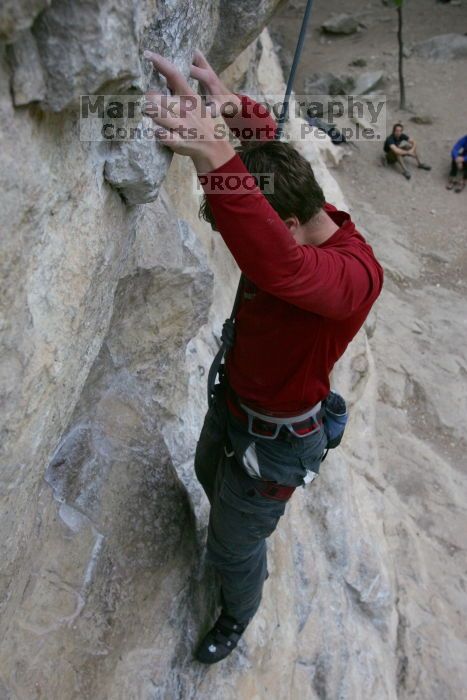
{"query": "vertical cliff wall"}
(100, 299)
(113, 298)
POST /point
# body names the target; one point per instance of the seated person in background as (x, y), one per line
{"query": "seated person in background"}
(458, 173)
(397, 146)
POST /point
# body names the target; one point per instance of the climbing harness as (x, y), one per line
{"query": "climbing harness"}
(228, 330)
(227, 341)
(264, 425)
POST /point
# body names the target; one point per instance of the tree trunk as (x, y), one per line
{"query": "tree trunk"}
(401, 58)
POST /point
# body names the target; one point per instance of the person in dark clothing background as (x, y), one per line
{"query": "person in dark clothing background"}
(458, 172)
(398, 146)
(309, 282)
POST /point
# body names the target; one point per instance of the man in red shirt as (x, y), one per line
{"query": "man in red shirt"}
(309, 281)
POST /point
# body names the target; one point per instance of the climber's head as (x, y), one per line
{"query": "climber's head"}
(295, 192)
(397, 130)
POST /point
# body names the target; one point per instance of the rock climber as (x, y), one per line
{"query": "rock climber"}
(309, 282)
(398, 146)
(458, 173)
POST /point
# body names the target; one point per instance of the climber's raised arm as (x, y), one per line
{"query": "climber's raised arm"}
(331, 283)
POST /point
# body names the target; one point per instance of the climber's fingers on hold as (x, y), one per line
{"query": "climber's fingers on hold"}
(163, 109)
(156, 103)
(169, 138)
(172, 109)
(201, 74)
(175, 80)
(204, 73)
(200, 60)
(167, 127)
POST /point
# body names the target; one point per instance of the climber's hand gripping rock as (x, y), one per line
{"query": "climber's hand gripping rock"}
(188, 126)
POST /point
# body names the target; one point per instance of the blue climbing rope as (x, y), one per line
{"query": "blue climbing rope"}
(296, 60)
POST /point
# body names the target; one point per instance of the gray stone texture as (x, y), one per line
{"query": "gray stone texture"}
(110, 317)
(27, 79)
(17, 15)
(445, 47)
(340, 24)
(330, 84)
(237, 28)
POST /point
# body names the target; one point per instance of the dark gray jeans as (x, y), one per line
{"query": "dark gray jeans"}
(241, 518)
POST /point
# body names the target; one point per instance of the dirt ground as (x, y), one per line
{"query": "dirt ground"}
(433, 219)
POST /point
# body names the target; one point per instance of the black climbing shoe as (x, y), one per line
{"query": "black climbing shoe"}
(220, 641)
(424, 166)
(407, 175)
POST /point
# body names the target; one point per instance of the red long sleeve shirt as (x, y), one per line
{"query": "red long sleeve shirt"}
(301, 304)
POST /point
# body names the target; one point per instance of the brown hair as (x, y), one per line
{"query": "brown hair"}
(296, 191)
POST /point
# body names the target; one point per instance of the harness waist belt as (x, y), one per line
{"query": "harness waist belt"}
(284, 420)
(271, 427)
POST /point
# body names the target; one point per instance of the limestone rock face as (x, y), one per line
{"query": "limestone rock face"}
(94, 57)
(111, 314)
(137, 168)
(236, 29)
(78, 49)
(16, 15)
(98, 50)
(27, 80)
(71, 248)
(104, 42)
